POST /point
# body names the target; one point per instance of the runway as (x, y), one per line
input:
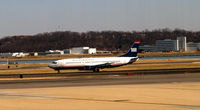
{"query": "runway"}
(96, 80)
(113, 92)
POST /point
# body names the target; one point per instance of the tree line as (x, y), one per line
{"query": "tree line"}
(104, 40)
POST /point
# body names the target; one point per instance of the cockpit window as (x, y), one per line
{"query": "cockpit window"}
(54, 62)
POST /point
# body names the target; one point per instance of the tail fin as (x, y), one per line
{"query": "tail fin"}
(132, 52)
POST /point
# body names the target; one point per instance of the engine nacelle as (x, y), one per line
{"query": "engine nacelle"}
(87, 68)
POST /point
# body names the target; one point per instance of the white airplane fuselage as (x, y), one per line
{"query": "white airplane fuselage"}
(90, 63)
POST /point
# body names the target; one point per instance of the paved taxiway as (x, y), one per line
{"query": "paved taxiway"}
(95, 80)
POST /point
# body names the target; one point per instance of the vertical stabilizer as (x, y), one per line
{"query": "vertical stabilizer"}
(132, 52)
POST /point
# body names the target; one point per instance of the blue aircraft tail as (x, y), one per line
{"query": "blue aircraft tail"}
(132, 52)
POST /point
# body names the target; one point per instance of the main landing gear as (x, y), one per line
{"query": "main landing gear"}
(96, 69)
(58, 71)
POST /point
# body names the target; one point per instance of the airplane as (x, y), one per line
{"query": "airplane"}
(95, 64)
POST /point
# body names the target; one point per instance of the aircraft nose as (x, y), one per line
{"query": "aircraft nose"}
(51, 66)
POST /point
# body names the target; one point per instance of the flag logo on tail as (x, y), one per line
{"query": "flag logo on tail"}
(133, 49)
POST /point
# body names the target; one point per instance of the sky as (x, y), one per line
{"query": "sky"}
(29, 17)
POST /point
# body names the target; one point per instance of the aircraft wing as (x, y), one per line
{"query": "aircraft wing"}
(99, 65)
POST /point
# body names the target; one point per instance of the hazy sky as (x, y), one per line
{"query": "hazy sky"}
(28, 17)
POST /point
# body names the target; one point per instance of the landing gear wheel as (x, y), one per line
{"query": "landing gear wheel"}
(96, 69)
(58, 71)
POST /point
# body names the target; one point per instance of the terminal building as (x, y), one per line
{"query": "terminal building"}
(191, 46)
(172, 45)
(82, 50)
(182, 43)
(148, 48)
(167, 45)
